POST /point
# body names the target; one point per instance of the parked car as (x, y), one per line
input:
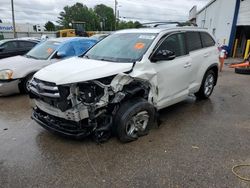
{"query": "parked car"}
(16, 72)
(121, 83)
(13, 47)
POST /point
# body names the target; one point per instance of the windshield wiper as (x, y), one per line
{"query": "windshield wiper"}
(102, 59)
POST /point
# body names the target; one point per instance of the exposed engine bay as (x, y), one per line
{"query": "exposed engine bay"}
(81, 109)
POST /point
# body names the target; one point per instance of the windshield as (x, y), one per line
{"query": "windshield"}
(43, 50)
(121, 47)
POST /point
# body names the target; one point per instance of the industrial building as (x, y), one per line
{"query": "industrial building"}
(228, 21)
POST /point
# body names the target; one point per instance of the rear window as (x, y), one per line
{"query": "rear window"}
(194, 41)
(207, 40)
(25, 44)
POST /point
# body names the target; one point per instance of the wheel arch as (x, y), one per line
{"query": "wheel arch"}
(214, 67)
(20, 85)
(139, 90)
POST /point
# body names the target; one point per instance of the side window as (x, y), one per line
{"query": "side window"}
(174, 43)
(207, 40)
(194, 41)
(10, 45)
(25, 44)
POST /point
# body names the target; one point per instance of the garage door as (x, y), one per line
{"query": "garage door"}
(244, 13)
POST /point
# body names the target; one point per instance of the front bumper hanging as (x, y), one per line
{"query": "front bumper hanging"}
(60, 126)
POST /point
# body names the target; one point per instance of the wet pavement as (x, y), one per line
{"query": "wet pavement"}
(196, 145)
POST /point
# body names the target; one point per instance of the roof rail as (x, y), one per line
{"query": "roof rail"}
(179, 24)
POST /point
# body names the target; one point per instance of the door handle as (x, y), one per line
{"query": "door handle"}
(187, 65)
(206, 54)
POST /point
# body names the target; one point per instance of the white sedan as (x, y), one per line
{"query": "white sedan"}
(16, 72)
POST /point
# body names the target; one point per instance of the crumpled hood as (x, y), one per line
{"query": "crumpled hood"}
(22, 65)
(77, 69)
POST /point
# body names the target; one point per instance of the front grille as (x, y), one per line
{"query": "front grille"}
(42, 88)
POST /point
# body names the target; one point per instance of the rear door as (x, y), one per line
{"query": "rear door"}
(24, 47)
(196, 53)
(173, 75)
(201, 48)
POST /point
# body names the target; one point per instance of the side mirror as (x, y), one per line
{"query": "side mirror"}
(1, 48)
(163, 55)
(61, 54)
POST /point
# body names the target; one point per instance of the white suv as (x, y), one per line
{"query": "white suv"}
(119, 85)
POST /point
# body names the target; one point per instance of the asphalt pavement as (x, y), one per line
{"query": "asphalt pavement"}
(196, 145)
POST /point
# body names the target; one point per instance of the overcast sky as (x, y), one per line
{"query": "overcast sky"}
(41, 11)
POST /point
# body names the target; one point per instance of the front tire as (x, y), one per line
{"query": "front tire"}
(134, 119)
(25, 83)
(207, 85)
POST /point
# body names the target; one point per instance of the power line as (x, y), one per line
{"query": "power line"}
(150, 6)
(136, 18)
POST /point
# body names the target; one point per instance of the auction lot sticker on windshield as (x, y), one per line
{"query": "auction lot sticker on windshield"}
(147, 37)
(50, 50)
(139, 45)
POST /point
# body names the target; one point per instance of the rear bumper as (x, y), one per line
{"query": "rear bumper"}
(9, 87)
(59, 126)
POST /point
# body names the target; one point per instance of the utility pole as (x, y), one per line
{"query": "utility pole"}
(13, 19)
(116, 3)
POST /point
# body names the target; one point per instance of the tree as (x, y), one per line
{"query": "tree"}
(130, 24)
(137, 24)
(100, 18)
(78, 12)
(106, 16)
(50, 26)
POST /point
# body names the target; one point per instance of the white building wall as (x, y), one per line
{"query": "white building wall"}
(9, 34)
(244, 13)
(218, 19)
(192, 13)
(6, 27)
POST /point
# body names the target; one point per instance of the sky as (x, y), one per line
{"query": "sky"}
(41, 11)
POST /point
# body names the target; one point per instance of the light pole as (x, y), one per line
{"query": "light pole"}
(116, 3)
(13, 19)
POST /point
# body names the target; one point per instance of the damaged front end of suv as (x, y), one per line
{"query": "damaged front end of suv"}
(80, 109)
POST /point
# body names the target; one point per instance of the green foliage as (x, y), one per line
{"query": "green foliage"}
(127, 25)
(49, 26)
(77, 12)
(100, 18)
(106, 16)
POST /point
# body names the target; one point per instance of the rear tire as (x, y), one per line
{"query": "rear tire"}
(207, 85)
(134, 119)
(242, 70)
